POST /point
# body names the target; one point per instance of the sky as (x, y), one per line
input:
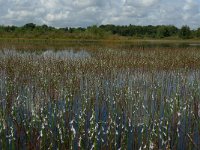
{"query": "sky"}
(83, 13)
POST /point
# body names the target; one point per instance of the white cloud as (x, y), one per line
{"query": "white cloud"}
(191, 11)
(63, 13)
(57, 16)
(142, 3)
(190, 4)
(83, 3)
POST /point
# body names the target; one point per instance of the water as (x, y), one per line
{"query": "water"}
(101, 98)
(61, 54)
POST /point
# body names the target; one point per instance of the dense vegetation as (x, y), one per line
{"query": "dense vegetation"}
(31, 30)
(100, 98)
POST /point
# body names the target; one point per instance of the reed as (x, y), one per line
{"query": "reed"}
(100, 99)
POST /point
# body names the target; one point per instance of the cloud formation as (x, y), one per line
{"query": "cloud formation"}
(62, 13)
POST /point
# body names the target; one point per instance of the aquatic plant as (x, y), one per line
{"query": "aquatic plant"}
(101, 99)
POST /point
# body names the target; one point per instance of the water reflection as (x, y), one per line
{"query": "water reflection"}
(44, 45)
(103, 106)
(66, 54)
(62, 54)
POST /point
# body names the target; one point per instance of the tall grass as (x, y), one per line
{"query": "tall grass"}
(102, 99)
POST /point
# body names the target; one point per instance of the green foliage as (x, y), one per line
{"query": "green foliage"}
(198, 33)
(31, 30)
(29, 26)
(185, 32)
(162, 32)
(95, 31)
(166, 31)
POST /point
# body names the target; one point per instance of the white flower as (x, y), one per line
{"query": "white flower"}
(41, 133)
(129, 122)
(179, 122)
(42, 126)
(92, 147)
(73, 130)
(79, 143)
(71, 122)
(151, 145)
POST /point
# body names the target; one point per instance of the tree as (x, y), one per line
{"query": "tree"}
(29, 26)
(198, 33)
(162, 31)
(185, 32)
(96, 31)
(173, 31)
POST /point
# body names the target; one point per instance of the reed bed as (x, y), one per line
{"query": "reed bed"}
(101, 99)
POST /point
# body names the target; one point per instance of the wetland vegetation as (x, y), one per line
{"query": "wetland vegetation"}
(99, 95)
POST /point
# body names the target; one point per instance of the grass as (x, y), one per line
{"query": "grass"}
(108, 98)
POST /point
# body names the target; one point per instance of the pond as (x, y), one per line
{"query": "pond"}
(105, 97)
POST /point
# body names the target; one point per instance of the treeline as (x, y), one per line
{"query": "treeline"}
(32, 30)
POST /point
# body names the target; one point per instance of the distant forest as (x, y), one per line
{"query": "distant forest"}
(31, 30)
